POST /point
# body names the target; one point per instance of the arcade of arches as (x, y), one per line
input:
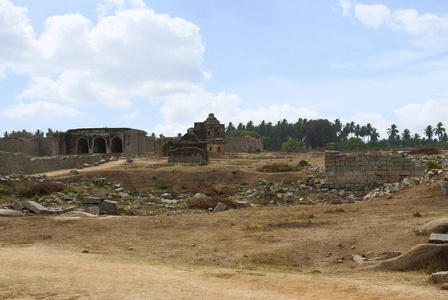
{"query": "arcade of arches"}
(99, 146)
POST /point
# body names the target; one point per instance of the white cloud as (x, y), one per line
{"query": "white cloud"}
(40, 109)
(410, 21)
(372, 15)
(132, 53)
(132, 115)
(346, 7)
(416, 116)
(180, 111)
(109, 6)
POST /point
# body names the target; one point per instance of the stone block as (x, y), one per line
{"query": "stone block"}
(438, 238)
(10, 213)
(35, 207)
(220, 207)
(110, 207)
(289, 197)
(242, 204)
(16, 205)
(94, 210)
(92, 200)
(439, 277)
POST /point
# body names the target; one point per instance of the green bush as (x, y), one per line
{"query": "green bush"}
(203, 163)
(433, 165)
(4, 191)
(281, 190)
(303, 163)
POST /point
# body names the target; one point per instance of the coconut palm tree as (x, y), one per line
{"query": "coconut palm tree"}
(392, 132)
(406, 136)
(439, 131)
(429, 130)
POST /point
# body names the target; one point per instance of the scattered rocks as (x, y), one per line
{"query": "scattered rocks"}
(35, 207)
(438, 238)
(219, 207)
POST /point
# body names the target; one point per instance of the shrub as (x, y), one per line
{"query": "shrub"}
(4, 191)
(206, 203)
(281, 190)
(433, 165)
(425, 150)
(203, 163)
(244, 183)
(275, 168)
(303, 163)
(162, 186)
(41, 188)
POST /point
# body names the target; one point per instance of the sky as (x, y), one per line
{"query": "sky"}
(162, 65)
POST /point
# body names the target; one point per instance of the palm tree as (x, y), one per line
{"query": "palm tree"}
(416, 139)
(429, 132)
(374, 135)
(439, 131)
(369, 130)
(406, 136)
(392, 132)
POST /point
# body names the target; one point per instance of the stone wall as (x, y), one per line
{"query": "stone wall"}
(356, 170)
(30, 147)
(21, 163)
(243, 144)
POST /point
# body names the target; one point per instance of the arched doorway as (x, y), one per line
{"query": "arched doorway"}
(82, 146)
(166, 148)
(116, 145)
(99, 145)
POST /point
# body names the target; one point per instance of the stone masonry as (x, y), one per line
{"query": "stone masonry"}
(357, 170)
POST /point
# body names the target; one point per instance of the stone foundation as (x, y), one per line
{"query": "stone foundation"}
(357, 170)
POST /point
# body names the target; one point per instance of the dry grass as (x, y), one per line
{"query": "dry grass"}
(40, 188)
(425, 150)
(211, 202)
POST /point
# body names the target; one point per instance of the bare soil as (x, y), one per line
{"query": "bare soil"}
(255, 253)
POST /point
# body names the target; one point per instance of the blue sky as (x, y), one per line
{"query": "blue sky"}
(160, 66)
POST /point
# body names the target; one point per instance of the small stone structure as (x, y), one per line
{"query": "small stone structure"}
(357, 170)
(188, 150)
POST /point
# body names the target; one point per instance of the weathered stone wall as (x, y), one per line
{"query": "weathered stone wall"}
(163, 145)
(243, 144)
(146, 144)
(356, 170)
(30, 147)
(21, 163)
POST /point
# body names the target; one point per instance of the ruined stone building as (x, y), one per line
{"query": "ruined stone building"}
(188, 150)
(104, 140)
(212, 132)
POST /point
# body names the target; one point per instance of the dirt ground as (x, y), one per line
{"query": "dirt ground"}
(255, 253)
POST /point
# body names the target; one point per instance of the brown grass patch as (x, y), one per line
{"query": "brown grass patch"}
(275, 168)
(425, 150)
(40, 188)
(206, 203)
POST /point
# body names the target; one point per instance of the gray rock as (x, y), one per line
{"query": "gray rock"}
(16, 205)
(10, 213)
(110, 207)
(169, 201)
(435, 226)
(166, 196)
(200, 196)
(94, 210)
(35, 207)
(392, 254)
(68, 209)
(336, 201)
(439, 277)
(92, 200)
(438, 238)
(171, 213)
(289, 197)
(219, 207)
(242, 204)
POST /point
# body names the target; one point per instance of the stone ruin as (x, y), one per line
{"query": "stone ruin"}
(188, 150)
(358, 170)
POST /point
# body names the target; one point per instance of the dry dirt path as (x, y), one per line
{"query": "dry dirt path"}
(43, 272)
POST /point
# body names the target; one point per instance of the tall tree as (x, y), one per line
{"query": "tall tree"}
(439, 131)
(429, 131)
(406, 137)
(393, 133)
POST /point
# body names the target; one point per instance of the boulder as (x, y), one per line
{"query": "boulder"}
(289, 197)
(439, 277)
(110, 207)
(10, 213)
(16, 205)
(219, 207)
(94, 210)
(418, 257)
(435, 226)
(242, 204)
(35, 207)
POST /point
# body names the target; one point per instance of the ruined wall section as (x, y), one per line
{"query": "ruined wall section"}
(21, 163)
(146, 144)
(30, 147)
(357, 170)
(243, 144)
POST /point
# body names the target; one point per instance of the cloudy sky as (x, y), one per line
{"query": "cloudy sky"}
(162, 65)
